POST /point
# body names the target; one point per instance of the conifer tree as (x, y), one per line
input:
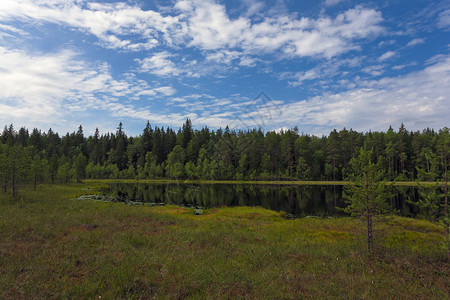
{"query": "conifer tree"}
(366, 193)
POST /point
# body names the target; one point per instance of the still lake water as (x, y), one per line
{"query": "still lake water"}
(298, 200)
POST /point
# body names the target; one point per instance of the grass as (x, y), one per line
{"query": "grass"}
(53, 246)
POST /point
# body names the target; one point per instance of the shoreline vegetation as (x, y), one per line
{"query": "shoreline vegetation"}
(260, 182)
(53, 246)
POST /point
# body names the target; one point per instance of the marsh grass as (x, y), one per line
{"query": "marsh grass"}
(53, 246)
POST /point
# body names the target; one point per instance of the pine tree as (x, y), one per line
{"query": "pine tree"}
(366, 193)
(120, 157)
(187, 133)
(147, 139)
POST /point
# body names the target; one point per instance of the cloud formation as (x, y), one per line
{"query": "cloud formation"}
(386, 56)
(45, 88)
(210, 28)
(415, 99)
(332, 2)
(414, 42)
(110, 23)
(201, 24)
(159, 64)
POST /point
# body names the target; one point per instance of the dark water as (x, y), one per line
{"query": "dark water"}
(304, 200)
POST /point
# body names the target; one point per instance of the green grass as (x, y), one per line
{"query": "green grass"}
(53, 246)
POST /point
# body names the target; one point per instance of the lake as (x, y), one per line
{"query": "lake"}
(298, 200)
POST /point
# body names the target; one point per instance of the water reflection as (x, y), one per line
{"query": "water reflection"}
(314, 200)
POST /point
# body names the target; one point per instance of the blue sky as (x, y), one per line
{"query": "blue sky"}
(317, 65)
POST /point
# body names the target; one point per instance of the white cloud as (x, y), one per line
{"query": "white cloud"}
(108, 22)
(159, 64)
(11, 29)
(307, 37)
(400, 67)
(307, 75)
(165, 90)
(324, 71)
(120, 110)
(46, 88)
(415, 42)
(281, 129)
(209, 26)
(10, 32)
(205, 25)
(253, 7)
(332, 2)
(375, 70)
(386, 55)
(247, 61)
(419, 99)
(444, 19)
(223, 56)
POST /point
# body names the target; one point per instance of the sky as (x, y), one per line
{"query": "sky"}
(318, 65)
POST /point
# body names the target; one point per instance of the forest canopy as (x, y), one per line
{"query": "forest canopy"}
(221, 154)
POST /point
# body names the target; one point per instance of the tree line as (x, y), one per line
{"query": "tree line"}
(221, 154)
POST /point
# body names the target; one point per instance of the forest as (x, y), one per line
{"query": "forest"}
(221, 154)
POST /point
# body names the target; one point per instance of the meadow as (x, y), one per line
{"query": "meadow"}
(55, 246)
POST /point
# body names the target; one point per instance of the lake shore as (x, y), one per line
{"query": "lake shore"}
(262, 182)
(53, 246)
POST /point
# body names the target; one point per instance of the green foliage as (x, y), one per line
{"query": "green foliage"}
(16, 167)
(266, 164)
(303, 170)
(64, 173)
(430, 196)
(80, 167)
(38, 169)
(366, 193)
(175, 163)
(191, 170)
(433, 200)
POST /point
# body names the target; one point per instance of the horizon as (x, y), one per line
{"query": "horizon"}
(211, 130)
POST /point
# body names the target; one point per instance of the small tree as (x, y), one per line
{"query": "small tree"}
(53, 167)
(37, 169)
(80, 164)
(16, 167)
(366, 193)
(64, 172)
